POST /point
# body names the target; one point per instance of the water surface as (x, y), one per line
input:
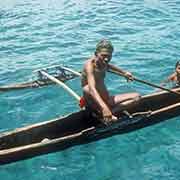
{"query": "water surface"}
(36, 34)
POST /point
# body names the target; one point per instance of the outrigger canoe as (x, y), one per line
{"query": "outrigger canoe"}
(82, 127)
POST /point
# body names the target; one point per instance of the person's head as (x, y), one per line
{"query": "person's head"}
(178, 67)
(104, 50)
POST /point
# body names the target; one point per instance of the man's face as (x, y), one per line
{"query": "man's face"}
(104, 55)
(178, 69)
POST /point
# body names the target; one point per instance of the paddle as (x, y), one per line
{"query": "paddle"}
(145, 82)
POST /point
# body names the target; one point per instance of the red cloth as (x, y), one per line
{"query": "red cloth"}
(82, 102)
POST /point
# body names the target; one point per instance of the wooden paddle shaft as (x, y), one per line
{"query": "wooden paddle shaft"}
(156, 86)
(147, 83)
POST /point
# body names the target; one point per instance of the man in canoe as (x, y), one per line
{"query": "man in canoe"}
(175, 76)
(95, 94)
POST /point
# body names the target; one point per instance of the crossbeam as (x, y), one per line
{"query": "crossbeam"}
(63, 85)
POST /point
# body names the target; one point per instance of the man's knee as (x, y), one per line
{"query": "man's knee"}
(136, 96)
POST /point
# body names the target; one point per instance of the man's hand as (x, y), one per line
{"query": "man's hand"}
(128, 76)
(108, 117)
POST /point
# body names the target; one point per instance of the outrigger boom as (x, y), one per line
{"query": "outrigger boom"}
(64, 86)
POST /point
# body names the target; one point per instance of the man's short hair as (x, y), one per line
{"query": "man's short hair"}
(104, 44)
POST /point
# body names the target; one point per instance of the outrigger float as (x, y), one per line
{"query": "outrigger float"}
(83, 127)
(60, 72)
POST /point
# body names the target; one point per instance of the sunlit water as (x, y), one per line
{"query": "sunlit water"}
(36, 34)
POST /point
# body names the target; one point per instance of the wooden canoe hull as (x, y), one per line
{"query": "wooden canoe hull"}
(81, 128)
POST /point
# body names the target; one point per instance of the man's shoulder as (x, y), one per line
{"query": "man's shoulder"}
(172, 77)
(89, 62)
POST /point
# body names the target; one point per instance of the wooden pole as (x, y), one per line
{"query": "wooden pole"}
(146, 82)
(72, 71)
(64, 86)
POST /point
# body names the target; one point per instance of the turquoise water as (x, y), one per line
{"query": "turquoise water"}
(37, 33)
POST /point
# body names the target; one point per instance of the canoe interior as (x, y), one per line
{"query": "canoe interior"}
(77, 122)
(56, 128)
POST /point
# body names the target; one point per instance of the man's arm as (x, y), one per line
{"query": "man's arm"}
(169, 79)
(92, 87)
(112, 68)
(106, 112)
